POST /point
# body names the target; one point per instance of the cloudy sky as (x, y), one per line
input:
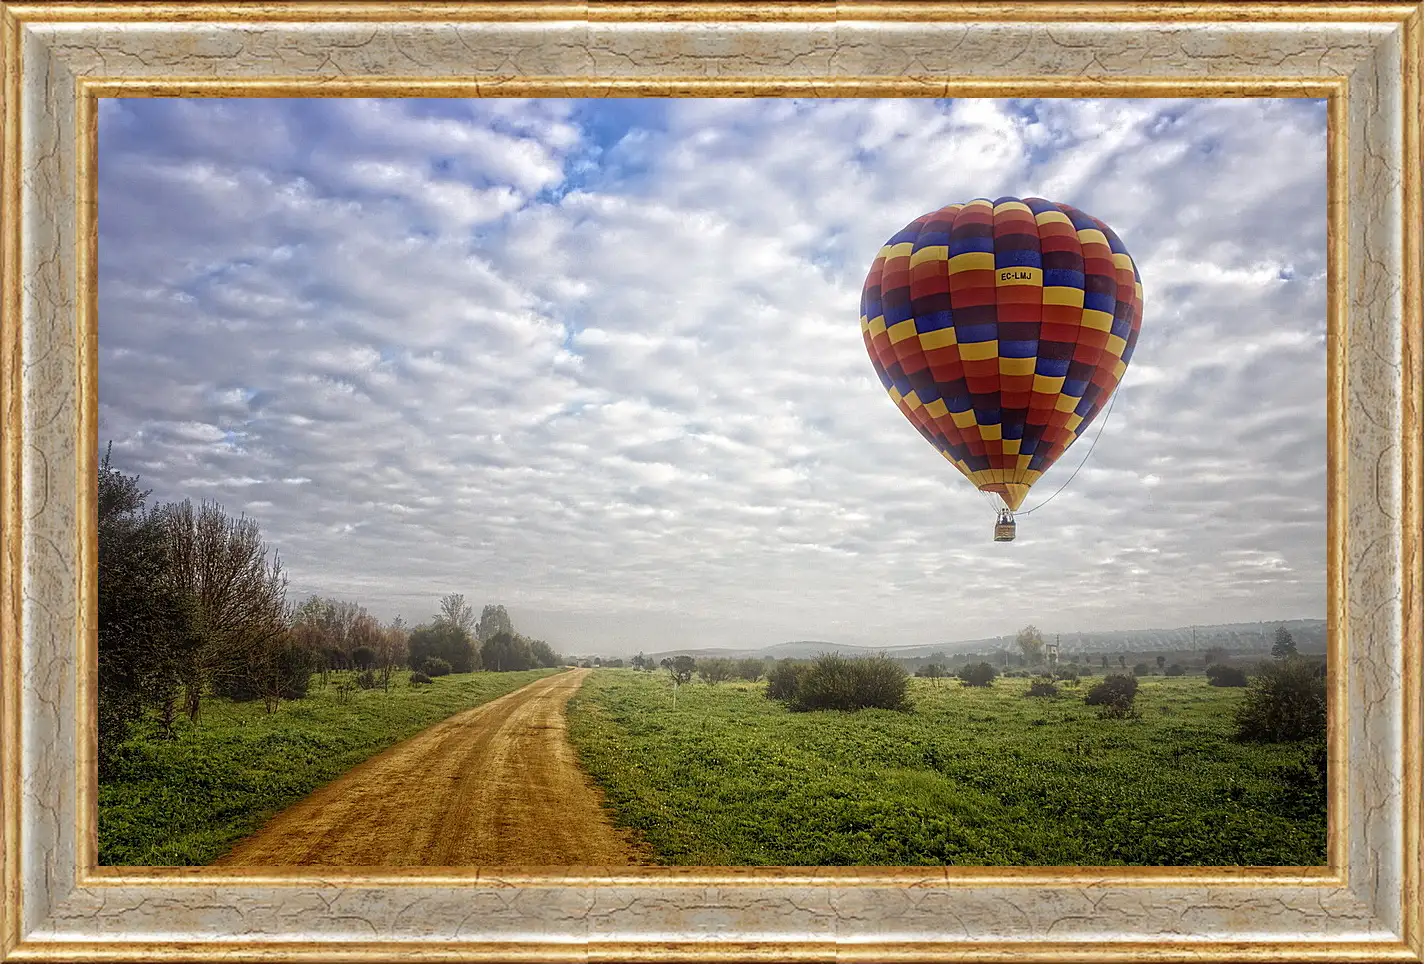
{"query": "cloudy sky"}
(600, 361)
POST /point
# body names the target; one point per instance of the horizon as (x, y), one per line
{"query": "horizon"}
(602, 359)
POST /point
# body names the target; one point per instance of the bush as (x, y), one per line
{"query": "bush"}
(713, 671)
(366, 680)
(1067, 675)
(1042, 687)
(782, 680)
(364, 657)
(418, 679)
(436, 667)
(1141, 669)
(1174, 670)
(1219, 675)
(1286, 701)
(977, 674)
(1114, 696)
(836, 682)
(750, 670)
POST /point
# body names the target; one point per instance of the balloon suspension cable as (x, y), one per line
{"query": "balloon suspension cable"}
(1101, 425)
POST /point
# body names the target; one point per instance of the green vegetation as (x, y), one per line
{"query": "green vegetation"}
(974, 775)
(187, 799)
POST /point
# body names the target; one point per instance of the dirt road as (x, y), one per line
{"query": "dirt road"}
(495, 785)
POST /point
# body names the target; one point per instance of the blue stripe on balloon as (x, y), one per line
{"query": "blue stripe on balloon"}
(1018, 349)
(1063, 278)
(1052, 367)
(971, 244)
(1020, 258)
(972, 334)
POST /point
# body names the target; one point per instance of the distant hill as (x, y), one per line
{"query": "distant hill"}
(1309, 634)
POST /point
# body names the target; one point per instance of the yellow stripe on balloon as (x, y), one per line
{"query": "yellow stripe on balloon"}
(1116, 345)
(1012, 206)
(902, 250)
(991, 432)
(1098, 320)
(1053, 217)
(1017, 366)
(1073, 422)
(979, 350)
(965, 419)
(1058, 295)
(877, 325)
(1123, 262)
(972, 261)
(1010, 446)
(902, 330)
(1048, 384)
(1119, 368)
(937, 409)
(912, 401)
(931, 340)
(1066, 403)
(934, 252)
(1021, 464)
(1092, 236)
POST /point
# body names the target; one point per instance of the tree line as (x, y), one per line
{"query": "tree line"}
(192, 604)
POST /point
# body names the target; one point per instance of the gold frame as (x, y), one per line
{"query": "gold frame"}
(28, 494)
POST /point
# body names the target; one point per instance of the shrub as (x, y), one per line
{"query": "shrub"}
(782, 680)
(364, 657)
(836, 682)
(1042, 687)
(1286, 701)
(436, 667)
(420, 678)
(977, 674)
(1114, 696)
(1067, 675)
(1141, 669)
(1174, 670)
(1220, 675)
(366, 679)
(750, 670)
(713, 671)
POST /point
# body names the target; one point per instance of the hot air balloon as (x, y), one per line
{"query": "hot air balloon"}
(1000, 329)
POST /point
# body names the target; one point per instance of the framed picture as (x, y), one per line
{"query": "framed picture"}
(374, 271)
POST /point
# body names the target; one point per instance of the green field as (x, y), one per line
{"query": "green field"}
(188, 800)
(972, 776)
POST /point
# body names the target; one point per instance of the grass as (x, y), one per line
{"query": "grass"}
(189, 799)
(970, 777)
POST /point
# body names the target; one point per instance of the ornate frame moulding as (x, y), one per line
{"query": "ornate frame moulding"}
(58, 59)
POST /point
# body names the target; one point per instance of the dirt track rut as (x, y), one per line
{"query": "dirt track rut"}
(495, 785)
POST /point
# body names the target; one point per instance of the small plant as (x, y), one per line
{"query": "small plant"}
(1286, 701)
(436, 667)
(977, 674)
(420, 679)
(1222, 675)
(1114, 697)
(344, 688)
(1042, 687)
(366, 679)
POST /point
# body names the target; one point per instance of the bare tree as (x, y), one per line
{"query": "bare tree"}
(222, 564)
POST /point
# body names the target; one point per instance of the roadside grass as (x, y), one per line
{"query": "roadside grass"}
(189, 799)
(970, 777)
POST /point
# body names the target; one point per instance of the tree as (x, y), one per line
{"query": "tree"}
(144, 619)
(238, 596)
(454, 610)
(933, 671)
(1286, 701)
(713, 671)
(1031, 645)
(1283, 646)
(750, 669)
(493, 619)
(1162, 660)
(441, 641)
(977, 674)
(1103, 661)
(544, 654)
(1122, 661)
(364, 657)
(506, 652)
(682, 668)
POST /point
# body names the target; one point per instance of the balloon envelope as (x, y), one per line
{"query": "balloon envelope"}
(1000, 329)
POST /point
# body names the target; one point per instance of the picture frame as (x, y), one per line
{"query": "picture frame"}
(1365, 60)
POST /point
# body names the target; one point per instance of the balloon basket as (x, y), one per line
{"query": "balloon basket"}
(1004, 527)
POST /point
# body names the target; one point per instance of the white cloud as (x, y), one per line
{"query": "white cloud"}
(612, 376)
